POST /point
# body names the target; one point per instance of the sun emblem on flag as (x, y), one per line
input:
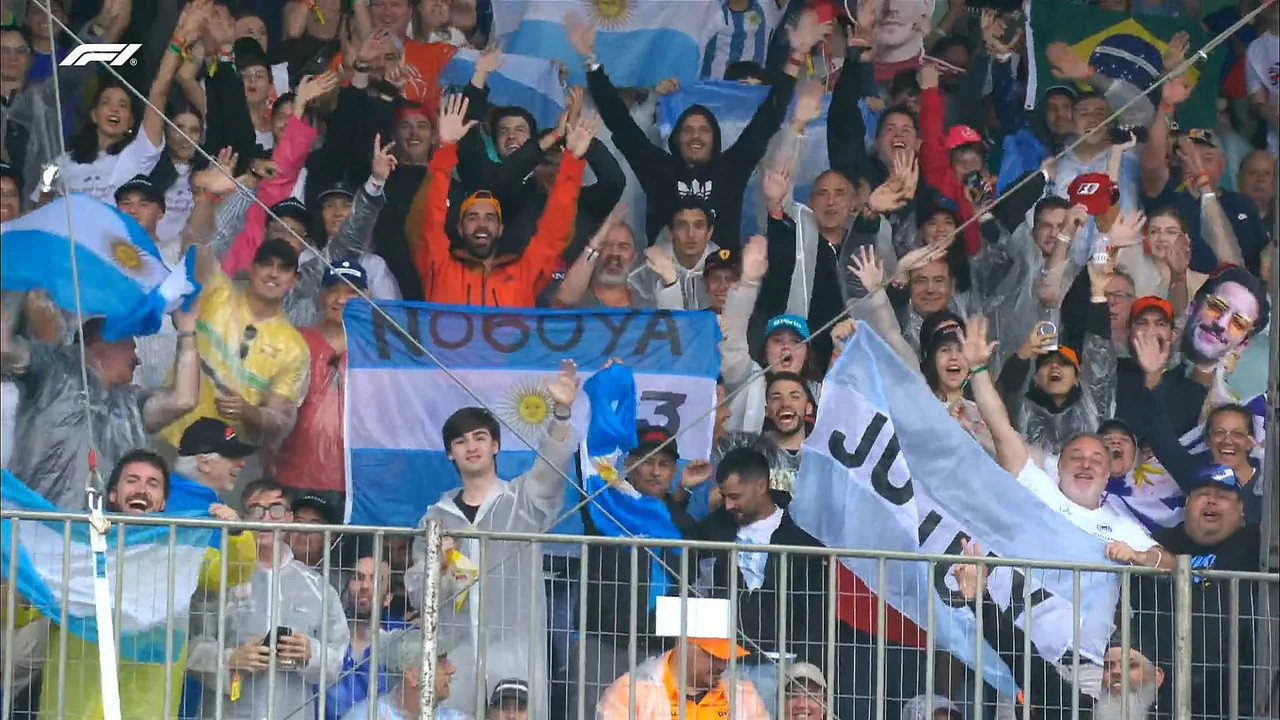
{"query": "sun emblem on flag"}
(525, 405)
(606, 470)
(611, 14)
(127, 255)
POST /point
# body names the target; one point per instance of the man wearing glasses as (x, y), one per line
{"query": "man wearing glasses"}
(285, 615)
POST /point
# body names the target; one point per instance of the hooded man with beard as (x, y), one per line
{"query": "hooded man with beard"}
(695, 162)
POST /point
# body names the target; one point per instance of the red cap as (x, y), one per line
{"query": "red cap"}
(961, 135)
(1094, 191)
(1151, 302)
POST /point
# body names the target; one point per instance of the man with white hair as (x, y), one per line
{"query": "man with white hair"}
(210, 457)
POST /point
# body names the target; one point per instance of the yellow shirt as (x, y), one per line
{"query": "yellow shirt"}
(238, 354)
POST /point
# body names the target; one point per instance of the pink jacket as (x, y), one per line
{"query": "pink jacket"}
(289, 156)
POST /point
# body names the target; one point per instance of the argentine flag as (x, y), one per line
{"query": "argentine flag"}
(122, 277)
(532, 83)
(639, 42)
(40, 547)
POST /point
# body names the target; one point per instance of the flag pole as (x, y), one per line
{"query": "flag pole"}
(99, 526)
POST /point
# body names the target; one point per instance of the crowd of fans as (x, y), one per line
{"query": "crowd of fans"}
(1077, 319)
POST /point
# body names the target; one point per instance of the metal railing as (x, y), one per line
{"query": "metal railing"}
(578, 629)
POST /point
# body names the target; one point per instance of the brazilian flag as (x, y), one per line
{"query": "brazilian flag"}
(1123, 46)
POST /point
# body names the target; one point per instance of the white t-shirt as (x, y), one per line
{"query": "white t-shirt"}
(100, 178)
(760, 532)
(1262, 70)
(178, 204)
(1108, 522)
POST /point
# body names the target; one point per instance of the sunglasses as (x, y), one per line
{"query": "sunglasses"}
(250, 334)
(1217, 307)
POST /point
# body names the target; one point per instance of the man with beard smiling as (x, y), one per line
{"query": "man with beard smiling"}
(476, 273)
(789, 407)
(1229, 309)
(598, 278)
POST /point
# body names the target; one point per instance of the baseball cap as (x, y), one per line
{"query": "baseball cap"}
(211, 435)
(353, 271)
(720, 648)
(510, 689)
(1203, 136)
(1217, 475)
(292, 207)
(723, 259)
(278, 249)
(328, 512)
(1094, 191)
(803, 672)
(1151, 302)
(794, 323)
(649, 437)
(1067, 353)
(141, 184)
(477, 196)
(340, 188)
(1117, 425)
(962, 135)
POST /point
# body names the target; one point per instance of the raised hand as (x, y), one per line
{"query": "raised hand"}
(580, 135)
(661, 262)
(313, 87)
(866, 266)
(616, 215)
(582, 34)
(755, 259)
(217, 179)
(374, 47)
(453, 124)
(1192, 168)
(888, 197)
(1065, 63)
(928, 76)
(1175, 91)
(220, 27)
(383, 161)
(1178, 257)
(667, 87)
(906, 168)
(1077, 216)
(921, 256)
(1176, 52)
(573, 110)
(491, 59)
(1037, 343)
(695, 473)
(1127, 230)
(977, 350)
(1151, 353)
(564, 388)
(807, 32)
(969, 575)
(775, 186)
(864, 32)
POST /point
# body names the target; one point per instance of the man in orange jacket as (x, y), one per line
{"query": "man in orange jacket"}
(476, 273)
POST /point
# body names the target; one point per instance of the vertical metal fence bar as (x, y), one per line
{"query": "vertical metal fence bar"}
(482, 617)
(1125, 643)
(119, 587)
(10, 622)
(273, 621)
(221, 631)
(430, 621)
(583, 571)
(833, 630)
(881, 670)
(1027, 648)
(61, 708)
(1075, 642)
(783, 646)
(375, 623)
(632, 639)
(168, 618)
(1233, 652)
(326, 568)
(733, 627)
(930, 647)
(1182, 637)
(979, 688)
(535, 557)
(683, 642)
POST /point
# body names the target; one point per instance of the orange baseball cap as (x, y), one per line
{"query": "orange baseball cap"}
(720, 647)
(1151, 302)
(476, 197)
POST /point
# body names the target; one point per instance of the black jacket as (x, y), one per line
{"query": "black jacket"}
(805, 586)
(666, 177)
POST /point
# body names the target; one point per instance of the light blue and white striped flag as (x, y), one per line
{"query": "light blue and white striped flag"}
(399, 398)
(734, 104)
(886, 468)
(144, 601)
(121, 274)
(532, 83)
(640, 42)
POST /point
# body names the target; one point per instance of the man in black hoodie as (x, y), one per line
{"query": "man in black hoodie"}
(696, 163)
